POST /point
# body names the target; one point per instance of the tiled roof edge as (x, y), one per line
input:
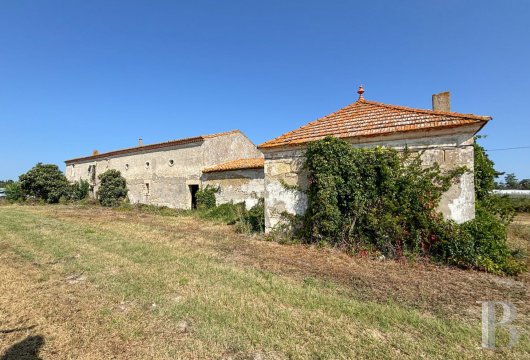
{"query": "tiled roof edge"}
(137, 149)
(239, 164)
(274, 142)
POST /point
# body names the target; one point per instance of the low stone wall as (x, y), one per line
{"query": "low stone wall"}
(246, 185)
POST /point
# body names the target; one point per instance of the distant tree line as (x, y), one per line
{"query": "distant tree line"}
(512, 183)
(4, 183)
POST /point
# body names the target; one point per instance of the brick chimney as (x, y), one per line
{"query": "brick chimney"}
(441, 101)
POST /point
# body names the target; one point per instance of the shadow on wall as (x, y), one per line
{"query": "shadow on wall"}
(27, 349)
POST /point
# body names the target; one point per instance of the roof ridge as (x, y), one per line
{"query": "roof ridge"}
(427, 111)
(368, 118)
(221, 133)
(153, 146)
(308, 124)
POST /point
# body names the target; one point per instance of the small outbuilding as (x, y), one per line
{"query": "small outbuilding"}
(441, 135)
(237, 181)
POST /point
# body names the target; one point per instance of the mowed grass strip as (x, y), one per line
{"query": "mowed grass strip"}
(172, 280)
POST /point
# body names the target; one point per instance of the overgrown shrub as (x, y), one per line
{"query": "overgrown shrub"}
(253, 220)
(227, 213)
(79, 190)
(112, 189)
(288, 230)
(14, 192)
(493, 215)
(384, 201)
(246, 221)
(44, 182)
(377, 198)
(520, 204)
(206, 197)
(4, 183)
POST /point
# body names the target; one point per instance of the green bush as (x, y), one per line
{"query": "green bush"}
(493, 215)
(520, 204)
(44, 182)
(253, 220)
(246, 221)
(79, 190)
(372, 198)
(489, 235)
(228, 213)
(14, 192)
(4, 183)
(112, 189)
(206, 197)
(384, 201)
(484, 172)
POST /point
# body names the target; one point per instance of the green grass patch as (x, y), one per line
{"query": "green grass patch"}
(233, 310)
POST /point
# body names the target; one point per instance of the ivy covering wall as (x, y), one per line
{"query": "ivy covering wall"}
(382, 201)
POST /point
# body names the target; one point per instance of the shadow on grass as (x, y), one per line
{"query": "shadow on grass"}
(27, 349)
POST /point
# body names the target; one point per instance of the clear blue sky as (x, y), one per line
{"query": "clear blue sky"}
(82, 75)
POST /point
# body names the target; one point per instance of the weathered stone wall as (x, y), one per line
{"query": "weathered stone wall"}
(237, 186)
(153, 179)
(450, 149)
(221, 149)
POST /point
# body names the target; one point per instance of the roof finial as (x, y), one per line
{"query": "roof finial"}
(361, 92)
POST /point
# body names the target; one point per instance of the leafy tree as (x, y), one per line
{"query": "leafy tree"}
(485, 175)
(511, 181)
(524, 184)
(112, 189)
(45, 182)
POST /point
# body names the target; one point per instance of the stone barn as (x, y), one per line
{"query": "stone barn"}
(442, 136)
(170, 173)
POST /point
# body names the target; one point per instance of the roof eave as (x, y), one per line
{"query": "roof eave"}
(136, 150)
(291, 145)
(208, 171)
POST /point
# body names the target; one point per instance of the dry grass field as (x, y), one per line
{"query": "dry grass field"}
(92, 283)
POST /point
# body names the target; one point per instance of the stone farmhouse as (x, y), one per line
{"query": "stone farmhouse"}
(170, 173)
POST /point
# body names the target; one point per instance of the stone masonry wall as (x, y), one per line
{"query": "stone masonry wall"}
(237, 186)
(448, 149)
(153, 179)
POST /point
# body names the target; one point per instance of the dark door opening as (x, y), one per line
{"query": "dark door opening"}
(193, 192)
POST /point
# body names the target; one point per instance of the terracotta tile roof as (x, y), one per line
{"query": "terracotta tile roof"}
(366, 118)
(253, 163)
(137, 149)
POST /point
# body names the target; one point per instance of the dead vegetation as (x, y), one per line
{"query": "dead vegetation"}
(97, 283)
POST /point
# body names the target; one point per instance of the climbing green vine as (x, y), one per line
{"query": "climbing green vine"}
(383, 201)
